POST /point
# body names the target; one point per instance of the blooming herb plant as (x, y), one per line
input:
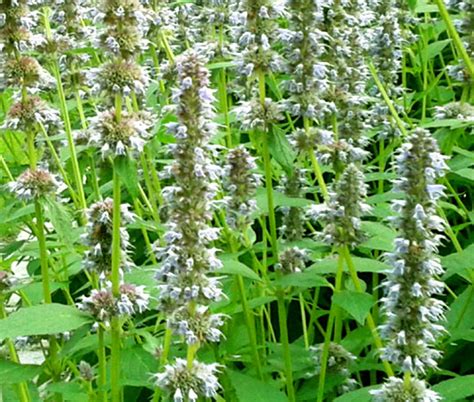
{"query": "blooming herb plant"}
(236, 200)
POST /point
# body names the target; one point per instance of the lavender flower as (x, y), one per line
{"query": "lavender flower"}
(34, 184)
(186, 288)
(413, 314)
(293, 227)
(126, 136)
(292, 260)
(98, 237)
(183, 382)
(455, 110)
(339, 363)
(341, 215)
(102, 304)
(394, 390)
(241, 185)
(254, 30)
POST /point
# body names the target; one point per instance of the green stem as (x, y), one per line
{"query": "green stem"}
(328, 334)
(43, 252)
(453, 33)
(250, 322)
(115, 277)
(102, 377)
(370, 320)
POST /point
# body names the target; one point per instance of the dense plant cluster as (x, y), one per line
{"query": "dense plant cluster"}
(236, 200)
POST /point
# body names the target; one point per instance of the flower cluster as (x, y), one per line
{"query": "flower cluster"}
(103, 305)
(123, 136)
(186, 287)
(254, 29)
(465, 26)
(387, 42)
(293, 227)
(241, 185)
(33, 184)
(395, 390)
(341, 214)
(305, 50)
(413, 314)
(184, 382)
(455, 110)
(339, 362)
(98, 237)
(292, 260)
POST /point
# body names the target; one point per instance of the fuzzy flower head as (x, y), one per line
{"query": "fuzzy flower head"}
(98, 236)
(395, 390)
(197, 327)
(186, 257)
(292, 260)
(341, 215)
(241, 184)
(34, 184)
(119, 137)
(413, 314)
(126, 23)
(310, 140)
(17, 21)
(293, 226)
(24, 71)
(254, 30)
(455, 110)
(119, 77)
(26, 113)
(103, 305)
(255, 115)
(184, 382)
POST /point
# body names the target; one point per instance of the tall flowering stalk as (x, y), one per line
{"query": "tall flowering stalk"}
(121, 129)
(413, 314)
(255, 31)
(186, 288)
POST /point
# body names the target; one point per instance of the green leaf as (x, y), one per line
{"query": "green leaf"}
(459, 263)
(14, 373)
(381, 237)
(360, 395)
(434, 49)
(460, 315)
(234, 267)
(71, 392)
(281, 149)
(44, 319)
(305, 279)
(127, 169)
(248, 389)
(455, 389)
(61, 220)
(137, 367)
(357, 304)
(466, 173)
(329, 265)
(280, 200)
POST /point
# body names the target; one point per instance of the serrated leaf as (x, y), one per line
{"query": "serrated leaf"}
(44, 319)
(14, 373)
(381, 237)
(61, 220)
(357, 304)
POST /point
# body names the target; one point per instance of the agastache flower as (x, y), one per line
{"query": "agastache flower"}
(35, 184)
(241, 184)
(413, 314)
(341, 214)
(186, 289)
(98, 237)
(254, 30)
